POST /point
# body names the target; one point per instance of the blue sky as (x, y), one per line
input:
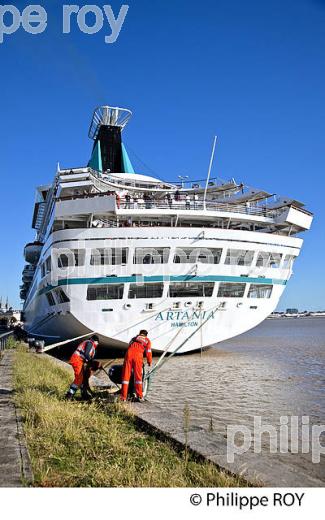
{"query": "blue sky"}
(251, 72)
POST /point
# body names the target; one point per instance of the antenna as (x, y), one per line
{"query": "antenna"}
(209, 171)
(182, 179)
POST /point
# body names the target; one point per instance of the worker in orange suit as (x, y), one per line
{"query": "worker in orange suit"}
(138, 346)
(82, 362)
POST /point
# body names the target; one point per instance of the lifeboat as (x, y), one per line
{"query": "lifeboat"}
(23, 294)
(28, 273)
(23, 291)
(32, 252)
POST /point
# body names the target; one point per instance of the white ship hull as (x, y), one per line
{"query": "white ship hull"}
(174, 323)
(192, 262)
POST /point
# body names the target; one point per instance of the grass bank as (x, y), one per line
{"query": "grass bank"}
(74, 444)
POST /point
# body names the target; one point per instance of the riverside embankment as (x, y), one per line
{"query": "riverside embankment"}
(107, 444)
(15, 466)
(100, 443)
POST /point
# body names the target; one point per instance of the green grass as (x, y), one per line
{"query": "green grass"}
(11, 343)
(74, 444)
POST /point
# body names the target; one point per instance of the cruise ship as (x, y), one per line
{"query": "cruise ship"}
(193, 262)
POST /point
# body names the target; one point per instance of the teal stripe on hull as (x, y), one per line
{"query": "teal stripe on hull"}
(183, 278)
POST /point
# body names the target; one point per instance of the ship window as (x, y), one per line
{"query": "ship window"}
(260, 291)
(191, 289)
(50, 298)
(43, 269)
(198, 254)
(265, 259)
(109, 256)
(288, 262)
(105, 292)
(231, 290)
(150, 290)
(48, 265)
(61, 296)
(239, 257)
(151, 255)
(67, 260)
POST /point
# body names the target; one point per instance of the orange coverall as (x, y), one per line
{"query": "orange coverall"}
(134, 360)
(84, 353)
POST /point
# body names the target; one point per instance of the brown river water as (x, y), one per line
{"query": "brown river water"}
(275, 370)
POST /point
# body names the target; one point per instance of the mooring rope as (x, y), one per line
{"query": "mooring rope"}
(54, 345)
(163, 360)
(170, 344)
(141, 321)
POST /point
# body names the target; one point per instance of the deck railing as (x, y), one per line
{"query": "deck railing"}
(181, 205)
(200, 206)
(185, 184)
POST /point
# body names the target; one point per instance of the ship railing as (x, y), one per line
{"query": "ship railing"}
(86, 196)
(182, 205)
(104, 178)
(200, 206)
(102, 182)
(49, 206)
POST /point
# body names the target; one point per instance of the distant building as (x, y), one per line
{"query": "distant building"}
(8, 316)
(3, 306)
(292, 311)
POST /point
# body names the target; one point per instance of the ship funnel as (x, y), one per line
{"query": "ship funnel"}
(108, 116)
(109, 153)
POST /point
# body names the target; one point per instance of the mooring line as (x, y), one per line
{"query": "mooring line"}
(161, 360)
(54, 345)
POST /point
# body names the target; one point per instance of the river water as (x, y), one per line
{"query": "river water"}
(275, 370)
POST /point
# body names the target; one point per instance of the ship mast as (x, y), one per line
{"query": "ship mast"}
(209, 172)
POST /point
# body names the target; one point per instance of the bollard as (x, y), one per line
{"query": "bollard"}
(39, 346)
(31, 342)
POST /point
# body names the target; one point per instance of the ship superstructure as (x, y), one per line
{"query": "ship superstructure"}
(193, 262)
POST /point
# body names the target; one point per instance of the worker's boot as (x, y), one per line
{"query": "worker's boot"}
(85, 394)
(71, 392)
(86, 397)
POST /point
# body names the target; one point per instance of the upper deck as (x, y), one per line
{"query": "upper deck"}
(83, 198)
